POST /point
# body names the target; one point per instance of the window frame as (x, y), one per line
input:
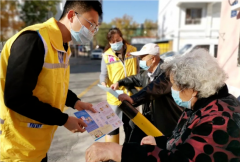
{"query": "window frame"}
(193, 19)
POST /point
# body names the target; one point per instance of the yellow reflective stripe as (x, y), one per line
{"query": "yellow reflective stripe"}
(113, 62)
(1, 121)
(55, 66)
(34, 125)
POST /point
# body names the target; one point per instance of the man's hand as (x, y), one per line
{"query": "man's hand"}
(149, 140)
(123, 97)
(83, 106)
(115, 86)
(75, 125)
(103, 151)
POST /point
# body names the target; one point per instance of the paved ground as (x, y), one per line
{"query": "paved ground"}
(67, 146)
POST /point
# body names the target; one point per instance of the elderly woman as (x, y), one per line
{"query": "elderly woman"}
(209, 128)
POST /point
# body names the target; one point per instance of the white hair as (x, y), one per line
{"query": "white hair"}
(196, 70)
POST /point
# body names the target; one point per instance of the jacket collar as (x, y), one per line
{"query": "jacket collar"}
(202, 102)
(158, 70)
(55, 35)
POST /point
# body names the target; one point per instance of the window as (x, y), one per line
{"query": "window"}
(185, 48)
(215, 50)
(193, 16)
(206, 47)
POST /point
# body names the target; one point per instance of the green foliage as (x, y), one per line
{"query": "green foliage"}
(150, 28)
(9, 22)
(37, 11)
(128, 27)
(101, 36)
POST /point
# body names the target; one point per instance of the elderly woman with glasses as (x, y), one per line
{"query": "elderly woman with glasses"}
(209, 128)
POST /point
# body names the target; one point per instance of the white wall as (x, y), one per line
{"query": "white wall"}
(216, 15)
(171, 22)
(167, 17)
(60, 7)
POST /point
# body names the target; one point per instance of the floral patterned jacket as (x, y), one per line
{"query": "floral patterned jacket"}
(208, 133)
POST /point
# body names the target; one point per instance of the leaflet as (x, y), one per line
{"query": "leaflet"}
(110, 90)
(101, 123)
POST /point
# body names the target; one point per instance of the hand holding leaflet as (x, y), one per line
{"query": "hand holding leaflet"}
(101, 123)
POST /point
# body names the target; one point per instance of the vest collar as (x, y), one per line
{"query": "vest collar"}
(55, 35)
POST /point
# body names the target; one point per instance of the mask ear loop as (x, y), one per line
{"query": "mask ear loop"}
(78, 21)
(148, 60)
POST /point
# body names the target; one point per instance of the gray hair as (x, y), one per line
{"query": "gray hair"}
(196, 70)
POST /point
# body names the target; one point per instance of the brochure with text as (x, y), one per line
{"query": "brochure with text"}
(101, 123)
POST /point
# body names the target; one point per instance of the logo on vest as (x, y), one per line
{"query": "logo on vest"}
(60, 56)
(111, 59)
(33, 125)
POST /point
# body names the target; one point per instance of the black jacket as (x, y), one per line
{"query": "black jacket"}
(157, 99)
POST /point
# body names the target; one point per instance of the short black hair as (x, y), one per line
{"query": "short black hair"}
(82, 6)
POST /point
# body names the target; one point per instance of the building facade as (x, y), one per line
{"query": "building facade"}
(188, 21)
(228, 47)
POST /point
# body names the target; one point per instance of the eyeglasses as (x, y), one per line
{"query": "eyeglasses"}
(93, 27)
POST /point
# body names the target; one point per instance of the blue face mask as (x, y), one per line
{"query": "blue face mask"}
(117, 46)
(82, 37)
(143, 64)
(178, 100)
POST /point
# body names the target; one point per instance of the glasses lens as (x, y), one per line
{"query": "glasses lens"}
(94, 29)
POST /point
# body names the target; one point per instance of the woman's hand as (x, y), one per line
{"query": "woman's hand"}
(104, 84)
(103, 151)
(149, 140)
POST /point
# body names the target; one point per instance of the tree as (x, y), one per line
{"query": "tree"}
(101, 36)
(10, 23)
(37, 11)
(150, 28)
(126, 25)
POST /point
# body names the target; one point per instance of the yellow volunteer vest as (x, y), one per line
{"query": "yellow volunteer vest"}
(118, 70)
(24, 139)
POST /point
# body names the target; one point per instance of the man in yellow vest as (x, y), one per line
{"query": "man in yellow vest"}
(34, 79)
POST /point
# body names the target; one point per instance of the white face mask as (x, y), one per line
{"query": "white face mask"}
(117, 46)
(82, 37)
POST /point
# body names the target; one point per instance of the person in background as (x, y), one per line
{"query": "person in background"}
(34, 79)
(163, 112)
(209, 128)
(117, 63)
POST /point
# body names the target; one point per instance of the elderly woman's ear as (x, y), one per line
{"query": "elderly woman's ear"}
(195, 93)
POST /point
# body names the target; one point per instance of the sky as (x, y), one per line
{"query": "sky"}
(138, 9)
